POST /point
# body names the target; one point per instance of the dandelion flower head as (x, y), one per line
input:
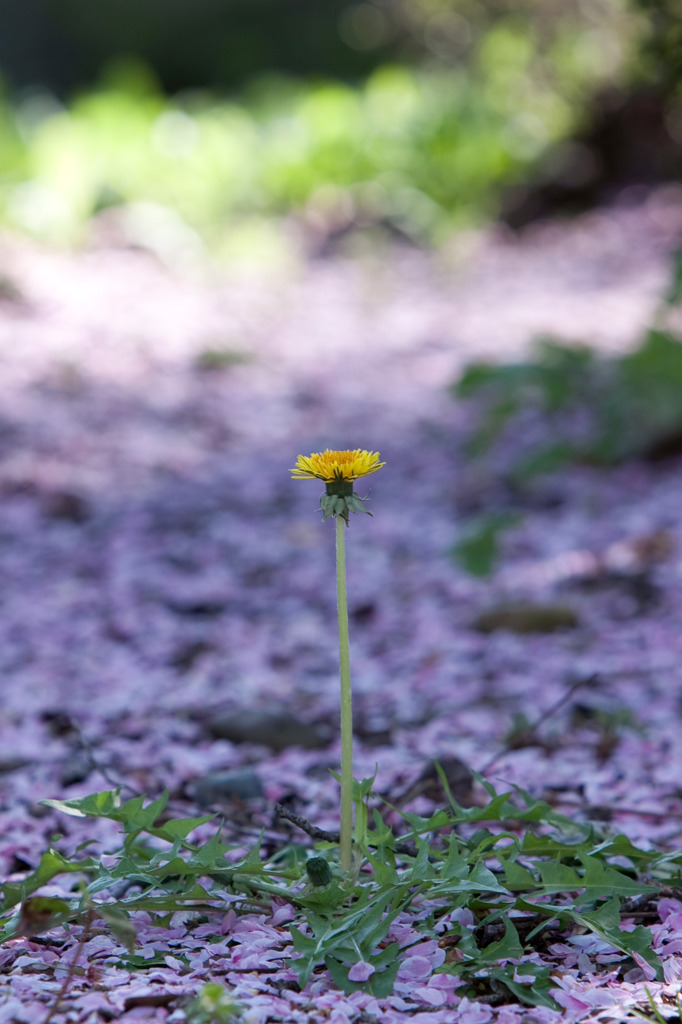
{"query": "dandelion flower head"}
(332, 466)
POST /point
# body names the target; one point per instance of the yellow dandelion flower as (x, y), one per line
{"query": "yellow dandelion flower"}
(338, 470)
(332, 466)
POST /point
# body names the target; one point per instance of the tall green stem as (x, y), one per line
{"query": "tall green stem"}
(346, 703)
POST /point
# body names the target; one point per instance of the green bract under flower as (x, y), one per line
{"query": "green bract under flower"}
(338, 470)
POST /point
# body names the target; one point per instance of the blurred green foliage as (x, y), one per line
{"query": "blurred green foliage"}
(661, 50)
(576, 407)
(594, 410)
(477, 550)
(422, 149)
(214, 1005)
(426, 146)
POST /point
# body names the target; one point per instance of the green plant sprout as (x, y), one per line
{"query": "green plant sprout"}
(214, 1005)
(597, 411)
(338, 470)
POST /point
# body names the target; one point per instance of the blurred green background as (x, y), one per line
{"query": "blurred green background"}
(209, 121)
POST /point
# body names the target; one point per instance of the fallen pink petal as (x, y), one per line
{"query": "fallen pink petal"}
(360, 971)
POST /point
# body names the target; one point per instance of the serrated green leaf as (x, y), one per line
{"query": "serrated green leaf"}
(507, 948)
(386, 874)
(601, 880)
(301, 943)
(165, 855)
(454, 865)
(339, 973)
(484, 843)
(304, 964)
(605, 922)
(621, 846)
(381, 984)
(382, 833)
(51, 864)
(128, 867)
(101, 883)
(12, 894)
(468, 949)
(606, 918)
(376, 926)
(484, 879)
(480, 879)
(252, 863)
(212, 856)
(501, 808)
(556, 877)
(362, 788)
(175, 866)
(422, 869)
(326, 899)
(96, 805)
(386, 957)
(162, 903)
(556, 847)
(534, 994)
(134, 816)
(422, 826)
(517, 878)
(180, 828)
(137, 961)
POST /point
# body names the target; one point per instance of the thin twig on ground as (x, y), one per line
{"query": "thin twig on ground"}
(531, 732)
(320, 835)
(88, 749)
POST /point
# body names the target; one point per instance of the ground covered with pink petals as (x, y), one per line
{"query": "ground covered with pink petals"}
(160, 570)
